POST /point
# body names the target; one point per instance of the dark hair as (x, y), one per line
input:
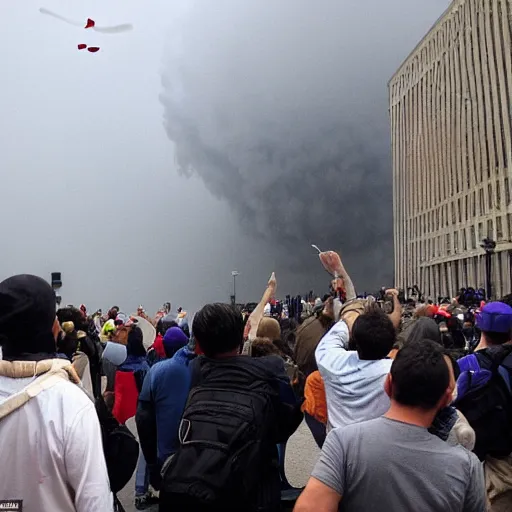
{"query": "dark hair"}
(75, 315)
(218, 328)
(373, 334)
(497, 338)
(424, 328)
(135, 345)
(420, 374)
(68, 344)
(262, 347)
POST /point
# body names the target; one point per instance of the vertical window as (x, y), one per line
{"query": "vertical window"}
(490, 231)
(481, 200)
(499, 229)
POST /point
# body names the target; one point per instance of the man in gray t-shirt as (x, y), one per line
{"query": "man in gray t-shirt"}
(393, 464)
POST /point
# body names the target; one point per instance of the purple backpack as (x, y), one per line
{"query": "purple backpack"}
(484, 397)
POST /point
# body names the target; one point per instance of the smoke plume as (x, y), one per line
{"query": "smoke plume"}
(281, 107)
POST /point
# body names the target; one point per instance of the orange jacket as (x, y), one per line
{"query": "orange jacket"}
(315, 403)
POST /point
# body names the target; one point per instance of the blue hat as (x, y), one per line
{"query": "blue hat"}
(495, 317)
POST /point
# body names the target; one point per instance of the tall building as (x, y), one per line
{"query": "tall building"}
(451, 110)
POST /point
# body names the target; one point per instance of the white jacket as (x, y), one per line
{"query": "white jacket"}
(354, 389)
(51, 451)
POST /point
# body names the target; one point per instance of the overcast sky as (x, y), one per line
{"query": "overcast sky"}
(263, 99)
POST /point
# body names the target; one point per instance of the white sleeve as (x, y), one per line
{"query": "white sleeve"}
(85, 463)
(331, 352)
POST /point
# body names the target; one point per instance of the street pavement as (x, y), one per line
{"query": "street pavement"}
(301, 455)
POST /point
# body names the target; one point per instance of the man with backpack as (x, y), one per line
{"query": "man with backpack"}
(485, 399)
(239, 408)
(50, 436)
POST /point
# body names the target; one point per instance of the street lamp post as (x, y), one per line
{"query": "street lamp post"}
(234, 273)
(488, 246)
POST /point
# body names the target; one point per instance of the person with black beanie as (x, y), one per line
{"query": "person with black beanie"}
(50, 436)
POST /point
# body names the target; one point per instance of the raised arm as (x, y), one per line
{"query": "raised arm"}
(396, 316)
(332, 350)
(255, 317)
(332, 263)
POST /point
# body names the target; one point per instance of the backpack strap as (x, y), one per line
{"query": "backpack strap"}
(506, 377)
(42, 383)
(195, 372)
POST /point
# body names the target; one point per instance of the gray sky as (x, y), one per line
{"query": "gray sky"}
(280, 107)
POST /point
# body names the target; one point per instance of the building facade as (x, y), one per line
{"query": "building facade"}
(451, 110)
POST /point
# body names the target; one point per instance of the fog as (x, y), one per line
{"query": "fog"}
(215, 136)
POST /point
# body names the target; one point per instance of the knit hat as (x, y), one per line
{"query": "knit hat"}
(27, 315)
(495, 317)
(174, 339)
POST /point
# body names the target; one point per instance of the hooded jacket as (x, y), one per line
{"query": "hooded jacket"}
(51, 445)
(161, 404)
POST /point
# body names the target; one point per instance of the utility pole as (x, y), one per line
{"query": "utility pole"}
(234, 273)
(488, 245)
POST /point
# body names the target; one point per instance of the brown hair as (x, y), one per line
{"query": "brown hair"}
(269, 328)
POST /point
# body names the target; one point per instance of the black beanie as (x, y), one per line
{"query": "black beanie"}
(27, 315)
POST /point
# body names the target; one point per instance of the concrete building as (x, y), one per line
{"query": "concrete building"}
(451, 109)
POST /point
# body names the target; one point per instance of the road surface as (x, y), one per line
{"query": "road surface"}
(301, 455)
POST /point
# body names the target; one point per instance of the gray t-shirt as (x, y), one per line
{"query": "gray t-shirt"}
(388, 466)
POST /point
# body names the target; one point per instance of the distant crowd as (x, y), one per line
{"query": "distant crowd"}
(409, 401)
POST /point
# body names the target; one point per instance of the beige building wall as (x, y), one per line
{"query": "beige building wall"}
(451, 109)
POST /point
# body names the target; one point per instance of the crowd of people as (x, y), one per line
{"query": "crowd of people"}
(409, 401)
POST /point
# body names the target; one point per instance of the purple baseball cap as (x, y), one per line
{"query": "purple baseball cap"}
(495, 317)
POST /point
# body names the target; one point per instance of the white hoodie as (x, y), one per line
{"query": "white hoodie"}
(354, 388)
(51, 451)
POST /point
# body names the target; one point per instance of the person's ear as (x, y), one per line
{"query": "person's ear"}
(388, 385)
(446, 399)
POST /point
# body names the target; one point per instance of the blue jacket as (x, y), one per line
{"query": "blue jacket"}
(161, 404)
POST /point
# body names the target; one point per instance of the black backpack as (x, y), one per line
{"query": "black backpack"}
(120, 447)
(485, 399)
(227, 457)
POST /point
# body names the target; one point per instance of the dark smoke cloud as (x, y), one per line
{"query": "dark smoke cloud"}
(281, 108)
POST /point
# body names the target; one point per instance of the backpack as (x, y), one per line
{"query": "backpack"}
(484, 397)
(227, 456)
(120, 447)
